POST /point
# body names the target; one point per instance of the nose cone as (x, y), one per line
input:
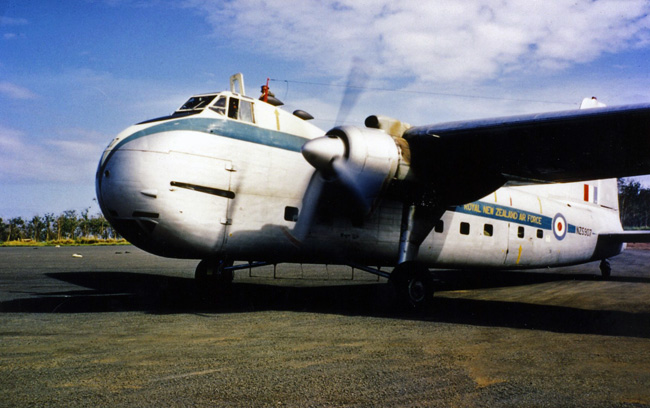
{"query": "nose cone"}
(126, 189)
(320, 152)
(165, 202)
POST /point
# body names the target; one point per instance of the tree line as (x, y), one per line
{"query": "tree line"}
(69, 225)
(634, 203)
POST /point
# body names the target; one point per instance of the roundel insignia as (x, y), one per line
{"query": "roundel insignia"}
(559, 227)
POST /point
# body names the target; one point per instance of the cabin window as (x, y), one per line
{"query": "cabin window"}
(233, 108)
(220, 105)
(246, 111)
(291, 214)
(540, 233)
(464, 228)
(488, 230)
(440, 226)
(520, 232)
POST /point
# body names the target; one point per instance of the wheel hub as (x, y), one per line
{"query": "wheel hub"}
(416, 290)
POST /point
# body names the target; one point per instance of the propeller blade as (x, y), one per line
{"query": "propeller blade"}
(364, 186)
(357, 78)
(309, 205)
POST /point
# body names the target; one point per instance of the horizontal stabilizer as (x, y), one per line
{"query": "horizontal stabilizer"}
(627, 236)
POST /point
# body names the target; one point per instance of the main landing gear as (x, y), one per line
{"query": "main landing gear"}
(413, 285)
(410, 285)
(411, 281)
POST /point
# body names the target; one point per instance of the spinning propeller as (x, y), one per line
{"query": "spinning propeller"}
(357, 79)
(361, 160)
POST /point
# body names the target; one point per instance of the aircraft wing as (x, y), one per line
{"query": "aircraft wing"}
(467, 160)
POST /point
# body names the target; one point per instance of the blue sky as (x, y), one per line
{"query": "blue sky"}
(75, 73)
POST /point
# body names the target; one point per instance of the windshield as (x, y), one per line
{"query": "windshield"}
(196, 103)
(220, 105)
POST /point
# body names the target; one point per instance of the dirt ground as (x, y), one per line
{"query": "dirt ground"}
(119, 327)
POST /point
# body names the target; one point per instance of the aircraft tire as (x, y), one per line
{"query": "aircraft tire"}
(413, 285)
(210, 278)
(605, 269)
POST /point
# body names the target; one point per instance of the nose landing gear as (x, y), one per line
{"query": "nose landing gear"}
(212, 279)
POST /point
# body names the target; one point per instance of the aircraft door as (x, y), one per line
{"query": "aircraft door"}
(521, 244)
(201, 187)
(512, 248)
(489, 239)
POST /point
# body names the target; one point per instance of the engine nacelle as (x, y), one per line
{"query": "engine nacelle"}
(364, 160)
(392, 126)
(369, 151)
(374, 151)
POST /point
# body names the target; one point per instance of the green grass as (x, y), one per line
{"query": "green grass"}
(65, 242)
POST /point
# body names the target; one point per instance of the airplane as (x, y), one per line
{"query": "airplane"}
(228, 177)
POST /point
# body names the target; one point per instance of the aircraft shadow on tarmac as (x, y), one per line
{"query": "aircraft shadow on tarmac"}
(126, 291)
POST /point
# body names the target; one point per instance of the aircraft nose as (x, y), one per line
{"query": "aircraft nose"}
(127, 185)
(169, 204)
(121, 180)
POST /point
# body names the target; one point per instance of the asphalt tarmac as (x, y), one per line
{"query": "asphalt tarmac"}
(114, 326)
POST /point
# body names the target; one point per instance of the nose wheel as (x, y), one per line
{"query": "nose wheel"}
(212, 278)
(413, 285)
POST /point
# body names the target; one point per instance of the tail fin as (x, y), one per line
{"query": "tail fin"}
(605, 193)
(601, 192)
(592, 102)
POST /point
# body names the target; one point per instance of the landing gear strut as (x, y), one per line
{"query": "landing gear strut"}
(413, 285)
(211, 278)
(412, 281)
(605, 269)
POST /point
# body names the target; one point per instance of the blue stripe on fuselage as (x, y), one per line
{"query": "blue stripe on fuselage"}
(226, 128)
(503, 213)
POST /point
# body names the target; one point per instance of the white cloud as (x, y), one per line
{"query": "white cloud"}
(9, 21)
(12, 22)
(10, 140)
(14, 91)
(433, 41)
(70, 156)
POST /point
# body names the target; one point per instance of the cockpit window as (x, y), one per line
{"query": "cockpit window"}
(220, 105)
(233, 108)
(238, 109)
(246, 111)
(196, 103)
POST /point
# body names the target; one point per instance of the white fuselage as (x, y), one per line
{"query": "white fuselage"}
(207, 185)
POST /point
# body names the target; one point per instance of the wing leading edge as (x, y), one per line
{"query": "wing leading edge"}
(464, 161)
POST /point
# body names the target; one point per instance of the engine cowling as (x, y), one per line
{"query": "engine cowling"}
(364, 160)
